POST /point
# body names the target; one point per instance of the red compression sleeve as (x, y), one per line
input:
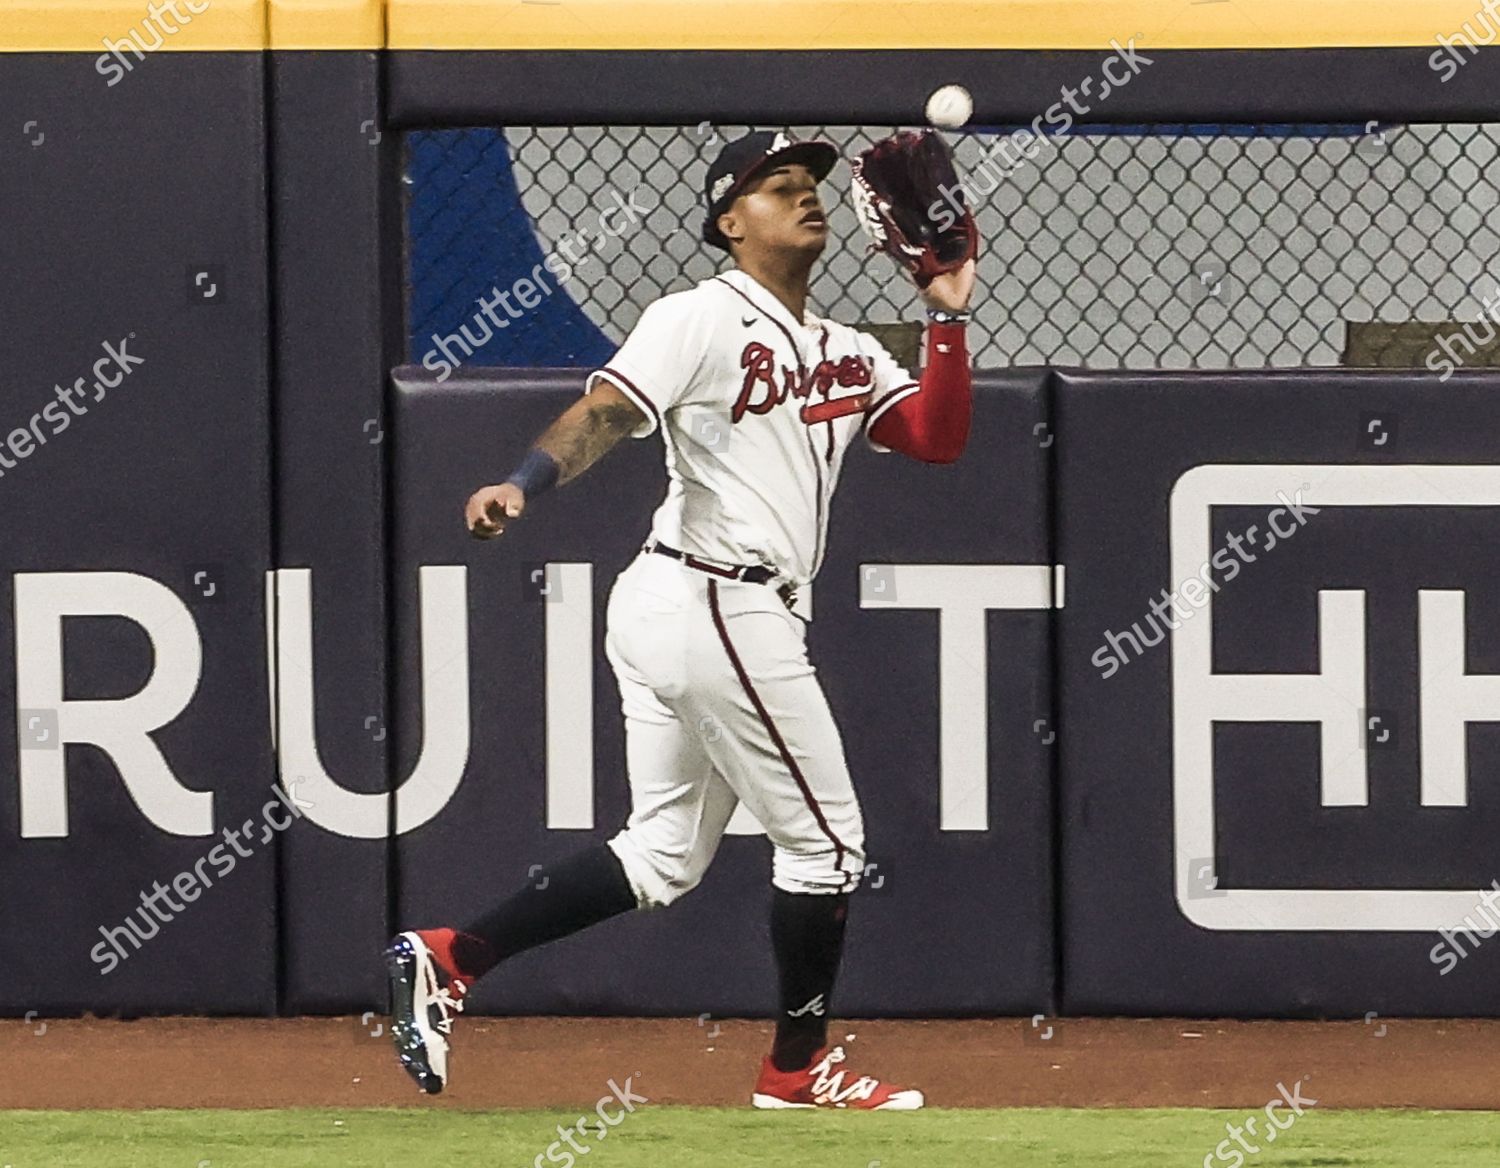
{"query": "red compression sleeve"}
(931, 424)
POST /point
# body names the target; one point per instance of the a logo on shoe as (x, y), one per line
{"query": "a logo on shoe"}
(828, 1085)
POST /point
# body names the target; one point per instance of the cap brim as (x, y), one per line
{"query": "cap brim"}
(818, 156)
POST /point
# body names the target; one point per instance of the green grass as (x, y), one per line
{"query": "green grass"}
(667, 1137)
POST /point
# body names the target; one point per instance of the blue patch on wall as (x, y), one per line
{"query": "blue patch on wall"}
(469, 237)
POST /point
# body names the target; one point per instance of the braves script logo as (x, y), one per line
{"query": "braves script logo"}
(760, 393)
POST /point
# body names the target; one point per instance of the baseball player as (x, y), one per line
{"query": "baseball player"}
(757, 401)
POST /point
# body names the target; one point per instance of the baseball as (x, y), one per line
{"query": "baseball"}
(950, 107)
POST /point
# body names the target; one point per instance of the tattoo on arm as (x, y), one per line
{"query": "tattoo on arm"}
(589, 429)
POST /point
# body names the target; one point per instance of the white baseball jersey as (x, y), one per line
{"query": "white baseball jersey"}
(756, 409)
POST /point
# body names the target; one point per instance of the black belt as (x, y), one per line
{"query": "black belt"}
(749, 573)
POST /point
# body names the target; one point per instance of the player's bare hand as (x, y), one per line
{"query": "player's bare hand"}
(951, 291)
(490, 509)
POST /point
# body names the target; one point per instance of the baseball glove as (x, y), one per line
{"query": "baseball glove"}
(911, 204)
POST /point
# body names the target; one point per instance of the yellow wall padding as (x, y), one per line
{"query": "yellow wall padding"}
(918, 24)
(327, 24)
(84, 25)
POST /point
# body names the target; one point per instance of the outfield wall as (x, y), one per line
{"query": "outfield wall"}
(237, 567)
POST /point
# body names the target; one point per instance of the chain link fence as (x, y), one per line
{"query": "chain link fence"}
(1136, 247)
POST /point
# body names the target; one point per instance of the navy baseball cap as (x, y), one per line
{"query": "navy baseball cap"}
(744, 158)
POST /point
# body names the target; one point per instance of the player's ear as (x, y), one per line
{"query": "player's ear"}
(729, 223)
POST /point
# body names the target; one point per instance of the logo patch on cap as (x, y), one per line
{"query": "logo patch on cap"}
(780, 142)
(723, 184)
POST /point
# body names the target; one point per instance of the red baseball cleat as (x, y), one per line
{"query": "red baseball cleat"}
(821, 1085)
(424, 999)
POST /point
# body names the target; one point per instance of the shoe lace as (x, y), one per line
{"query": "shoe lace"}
(829, 1084)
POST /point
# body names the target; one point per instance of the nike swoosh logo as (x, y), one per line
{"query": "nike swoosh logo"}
(747, 321)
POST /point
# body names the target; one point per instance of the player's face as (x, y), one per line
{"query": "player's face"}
(780, 210)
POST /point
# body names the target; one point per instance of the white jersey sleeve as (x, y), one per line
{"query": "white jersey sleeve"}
(890, 383)
(659, 364)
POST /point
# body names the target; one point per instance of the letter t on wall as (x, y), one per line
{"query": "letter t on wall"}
(962, 594)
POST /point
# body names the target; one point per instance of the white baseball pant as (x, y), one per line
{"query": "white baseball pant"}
(721, 706)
